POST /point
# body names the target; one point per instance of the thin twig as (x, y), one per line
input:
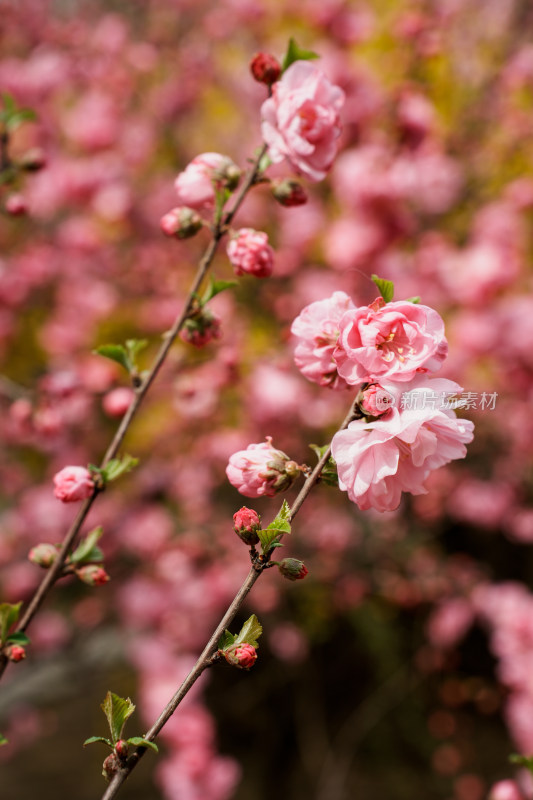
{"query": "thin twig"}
(204, 660)
(56, 570)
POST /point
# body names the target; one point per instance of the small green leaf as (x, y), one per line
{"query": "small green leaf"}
(8, 103)
(87, 550)
(134, 347)
(277, 528)
(386, 288)
(9, 614)
(18, 117)
(413, 299)
(523, 761)
(264, 163)
(139, 741)
(250, 632)
(117, 710)
(296, 53)
(318, 450)
(93, 739)
(118, 466)
(3, 740)
(18, 638)
(214, 288)
(226, 640)
(115, 352)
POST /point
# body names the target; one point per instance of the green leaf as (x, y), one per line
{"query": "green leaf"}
(9, 614)
(523, 761)
(214, 288)
(139, 741)
(226, 640)
(250, 632)
(134, 347)
(115, 352)
(18, 638)
(18, 117)
(264, 163)
(413, 299)
(8, 103)
(117, 710)
(318, 450)
(87, 550)
(118, 466)
(386, 288)
(296, 53)
(3, 740)
(277, 528)
(93, 739)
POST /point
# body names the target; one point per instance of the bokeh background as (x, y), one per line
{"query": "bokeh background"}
(402, 666)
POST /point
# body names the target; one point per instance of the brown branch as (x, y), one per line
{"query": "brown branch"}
(204, 660)
(219, 231)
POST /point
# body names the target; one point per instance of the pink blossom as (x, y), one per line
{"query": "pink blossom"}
(240, 655)
(73, 483)
(392, 340)
(505, 790)
(116, 402)
(250, 253)
(301, 120)
(379, 460)
(195, 186)
(317, 330)
(261, 470)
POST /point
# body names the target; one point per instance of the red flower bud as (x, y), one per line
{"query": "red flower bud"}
(181, 222)
(43, 554)
(121, 749)
(110, 766)
(93, 575)
(246, 523)
(15, 652)
(289, 193)
(265, 68)
(375, 401)
(292, 569)
(202, 328)
(16, 205)
(243, 655)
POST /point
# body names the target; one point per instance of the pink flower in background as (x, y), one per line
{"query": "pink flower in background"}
(301, 120)
(251, 254)
(73, 483)
(195, 186)
(116, 402)
(317, 330)
(378, 460)
(505, 790)
(390, 340)
(261, 470)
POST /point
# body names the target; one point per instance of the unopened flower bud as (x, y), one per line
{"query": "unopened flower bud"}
(121, 749)
(15, 652)
(265, 68)
(375, 400)
(92, 575)
(16, 205)
(33, 159)
(43, 554)
(292, 569)
(261, 470)
(243, 655)
(289, 192)
(228, 174)
(202, 328)
(73, 483)
(246, 523)
(181, 222)
(110, 766)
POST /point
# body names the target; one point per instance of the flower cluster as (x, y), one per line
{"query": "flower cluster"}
(386, 350)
